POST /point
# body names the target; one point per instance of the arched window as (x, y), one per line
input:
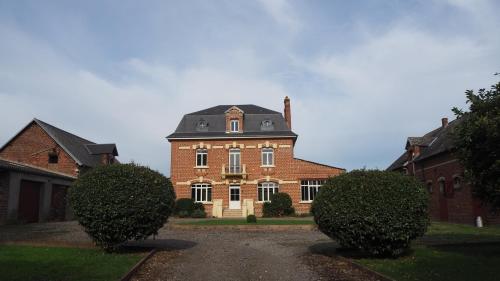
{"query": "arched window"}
(442, 185)
(457, 182)
(201, 192)
(265, 190)
(429, 186)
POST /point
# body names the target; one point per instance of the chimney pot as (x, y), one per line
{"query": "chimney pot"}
(288, 113)
(444, 122)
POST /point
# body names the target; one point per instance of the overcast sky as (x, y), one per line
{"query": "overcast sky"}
(362, 75)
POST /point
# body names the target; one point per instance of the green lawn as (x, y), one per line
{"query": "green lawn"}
(476, 259)
(260, 221)
(50, 263)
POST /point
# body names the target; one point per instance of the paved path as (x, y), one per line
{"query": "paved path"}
(214, 254)
(239, 255)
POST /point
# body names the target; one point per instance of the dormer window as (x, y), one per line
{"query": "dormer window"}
(267, 125)
(202, 125)
(235, 126)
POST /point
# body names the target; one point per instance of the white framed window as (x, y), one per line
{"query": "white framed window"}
(201, 192)
(201, 157)
(235, 126)
(267, 157)
(234, 161)
(265, 190)
(309, 189)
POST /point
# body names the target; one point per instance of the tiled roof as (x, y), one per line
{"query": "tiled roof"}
(214, 119)
(75, 146)
(433, 143)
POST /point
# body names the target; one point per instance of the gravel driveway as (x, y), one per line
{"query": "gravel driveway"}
(215, 254)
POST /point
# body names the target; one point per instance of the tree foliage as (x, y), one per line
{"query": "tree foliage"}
(120, 202)
(477, 139)
(377, 212)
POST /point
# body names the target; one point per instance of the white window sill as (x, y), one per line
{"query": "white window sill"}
(262, 202)
(305, 202)
(201, 167)
(205, 203)
(268, 166)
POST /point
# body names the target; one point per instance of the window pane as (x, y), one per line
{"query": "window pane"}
(204, 160)
(209, 194)
(198, 194)
(193, 194)
(259, 193)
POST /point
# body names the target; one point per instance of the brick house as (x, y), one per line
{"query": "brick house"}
(431, 159)
(38, 165)
(233, 158)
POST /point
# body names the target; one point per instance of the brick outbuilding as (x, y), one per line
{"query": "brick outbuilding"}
(38, 165)
(232, 158)
(431, 159)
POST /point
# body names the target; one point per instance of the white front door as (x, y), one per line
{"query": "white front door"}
(234, 197)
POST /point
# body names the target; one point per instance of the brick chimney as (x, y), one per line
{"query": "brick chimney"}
(288, 113)
(444, 122)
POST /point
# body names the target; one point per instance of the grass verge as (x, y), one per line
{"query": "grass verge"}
(447, 252)
(20, 263)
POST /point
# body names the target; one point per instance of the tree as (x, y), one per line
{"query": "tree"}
(119, 202)
(477, 139)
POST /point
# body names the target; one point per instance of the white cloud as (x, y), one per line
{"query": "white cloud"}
(281, 11)
(137, 111)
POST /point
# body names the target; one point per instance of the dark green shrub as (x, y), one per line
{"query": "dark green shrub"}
(374, 211)
(120, 202)
(198, 213)
(183, 214)
(280, 205)
(251, 219)
(184, 204)
(198, 206)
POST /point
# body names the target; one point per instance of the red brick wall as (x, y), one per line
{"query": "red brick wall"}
(459, 204)
(287, 169)
(33, 145)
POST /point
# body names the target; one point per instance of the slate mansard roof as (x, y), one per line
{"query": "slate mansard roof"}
(215, 119)
(84, 152)
(435, 142)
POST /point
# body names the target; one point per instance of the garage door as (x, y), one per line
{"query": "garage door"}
(29, 201)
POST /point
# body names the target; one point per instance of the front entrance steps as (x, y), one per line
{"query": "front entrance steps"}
(232, 213)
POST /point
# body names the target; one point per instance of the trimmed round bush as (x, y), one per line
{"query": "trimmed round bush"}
(251, 219)
(199, 206)
(376, 212)
(184, 204)
(183, 214)
(280, 205)
(198, 213)
(121, 202)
